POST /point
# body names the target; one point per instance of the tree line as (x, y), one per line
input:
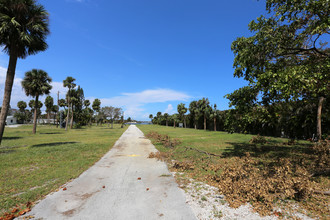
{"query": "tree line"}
(294, 119)
(75, 108)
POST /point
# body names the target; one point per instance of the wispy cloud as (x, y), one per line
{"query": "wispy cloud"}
(134, 103)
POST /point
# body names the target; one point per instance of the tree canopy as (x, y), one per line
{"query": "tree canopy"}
(286, 58)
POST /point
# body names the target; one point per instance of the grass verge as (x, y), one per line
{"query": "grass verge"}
(273, 173)
(34, 165)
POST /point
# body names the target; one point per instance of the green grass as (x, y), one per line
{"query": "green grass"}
(230, 147)
(223, 143)
(33, 165)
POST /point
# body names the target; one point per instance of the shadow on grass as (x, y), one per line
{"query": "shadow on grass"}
(7, 151)
(11, 138)
(53, 144)
(52, 133)
(267, 150)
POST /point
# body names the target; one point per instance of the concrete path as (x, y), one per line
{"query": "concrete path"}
(111, 189)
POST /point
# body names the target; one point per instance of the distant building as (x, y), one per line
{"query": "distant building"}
(11, 120)
(45, 121)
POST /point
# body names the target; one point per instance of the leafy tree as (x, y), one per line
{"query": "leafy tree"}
(96, 105)
(286, 59)
(151, 116)
(112, 113)
(23, 31)
(87, 103)
(182, 110)
(49, 103)
(204, 108)
(36, 83)
(69, 83)
(166, 116)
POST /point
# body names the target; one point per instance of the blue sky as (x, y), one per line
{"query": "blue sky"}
(142, 55)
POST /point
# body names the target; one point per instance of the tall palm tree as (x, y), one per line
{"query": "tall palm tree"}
(36, 83)
(69, 82)
(204, 108)
(166, 116)
(49, 103)
(182, 110)
(214, 113)
(23, 31)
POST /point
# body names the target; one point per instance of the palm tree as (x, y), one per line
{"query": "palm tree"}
(204, 108)
(36, 83)
(151, 116)
(194, 112)
(49, 103)
(214, 114)
(166, 116)
(23, 31)
(68, 82)
(182, 110)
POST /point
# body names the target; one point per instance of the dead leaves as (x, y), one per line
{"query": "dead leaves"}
(182, 166)
(17, 211)
(244, 181)
(166, 140)
(163, 156)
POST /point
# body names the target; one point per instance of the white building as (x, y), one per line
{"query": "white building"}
(11, 120)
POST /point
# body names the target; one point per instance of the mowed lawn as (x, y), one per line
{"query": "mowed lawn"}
(228, 146)
(216, 142)
(31, 166)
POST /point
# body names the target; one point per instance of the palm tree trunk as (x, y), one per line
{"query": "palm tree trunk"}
(174, 123)
(48, 117)
(185, 125)
(67, 115)
(215, 124)
(71, 123)
(7, 94)
(112, 124)
(166, 123)
(35, 114)
(204, 122)
(319, 118)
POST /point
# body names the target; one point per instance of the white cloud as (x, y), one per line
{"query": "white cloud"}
(18, 93)
(133, 103)
(170, 110)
